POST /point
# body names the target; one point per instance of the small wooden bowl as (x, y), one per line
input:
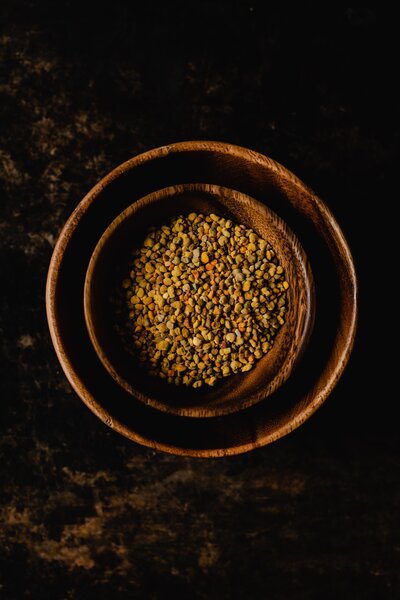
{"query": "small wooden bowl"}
(110, 263)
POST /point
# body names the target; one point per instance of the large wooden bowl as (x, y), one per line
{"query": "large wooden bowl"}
(327, 352)
(110, 261)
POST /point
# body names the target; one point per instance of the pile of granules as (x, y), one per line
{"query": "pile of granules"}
(206, 298)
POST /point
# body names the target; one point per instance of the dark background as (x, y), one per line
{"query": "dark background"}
(85, 513)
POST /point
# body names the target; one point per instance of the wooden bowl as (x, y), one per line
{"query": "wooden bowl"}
(331, 341)
(110, 262)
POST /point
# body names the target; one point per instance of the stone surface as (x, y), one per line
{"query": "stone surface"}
(86, 514)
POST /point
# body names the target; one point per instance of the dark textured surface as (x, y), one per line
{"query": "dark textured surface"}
(87, 514)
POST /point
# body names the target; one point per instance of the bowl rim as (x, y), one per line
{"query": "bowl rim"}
(297, 344)
(332, 235)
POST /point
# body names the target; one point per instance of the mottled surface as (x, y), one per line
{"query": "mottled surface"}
(86, 514)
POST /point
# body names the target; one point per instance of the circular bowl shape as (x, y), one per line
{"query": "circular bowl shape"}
(328, 349)
(110, 263)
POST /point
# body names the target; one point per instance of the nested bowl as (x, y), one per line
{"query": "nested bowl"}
(110, 262)
(330, 343)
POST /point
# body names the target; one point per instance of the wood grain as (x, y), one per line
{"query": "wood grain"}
(333, 335)
(236, 392)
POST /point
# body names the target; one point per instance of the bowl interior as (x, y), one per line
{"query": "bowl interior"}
(109, 264)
